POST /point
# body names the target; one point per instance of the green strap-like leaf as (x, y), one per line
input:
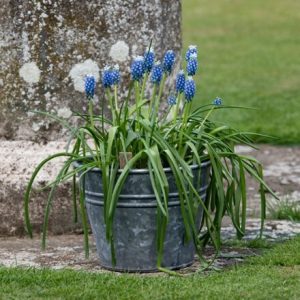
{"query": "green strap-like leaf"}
(49, 201)
(29, 187)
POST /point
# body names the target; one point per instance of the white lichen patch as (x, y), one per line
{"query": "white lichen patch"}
(79, 71)
(119, 51)
(36, 126)
(30, 72)
(64, 112)
(25, 46)
(47, 96)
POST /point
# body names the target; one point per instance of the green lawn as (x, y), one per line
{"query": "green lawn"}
(275, 275)
(249, 53)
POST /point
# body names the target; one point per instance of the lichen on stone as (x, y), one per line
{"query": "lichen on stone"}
(30, 72)
(79, 71)
(119, 51)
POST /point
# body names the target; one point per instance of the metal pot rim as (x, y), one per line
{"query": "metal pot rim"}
(143, 171)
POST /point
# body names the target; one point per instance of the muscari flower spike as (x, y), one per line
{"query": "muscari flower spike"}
(149, 58)
(156, 74)
(180, 81)
(192, 65)
(189, 89)
(137, 68)
(107, 79)
(169, 60)
(115, 75)
(89, 86)
(191, 50)
(217, 101)
(172, 100)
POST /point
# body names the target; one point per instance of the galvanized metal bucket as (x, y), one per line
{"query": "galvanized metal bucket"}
(135, 226)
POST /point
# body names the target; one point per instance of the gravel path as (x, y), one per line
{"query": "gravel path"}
(66, 251)
(282, 173)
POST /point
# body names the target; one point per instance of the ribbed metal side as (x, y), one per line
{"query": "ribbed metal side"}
(135, 223)
(97, 199)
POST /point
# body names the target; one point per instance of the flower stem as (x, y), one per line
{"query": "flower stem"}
(111, 106)
(186, 113)
(178, 100)
(116, 97)
(91, 113)
(92, 123)
(144, 86)
(157, 100)
(166, 115)
(137, 99)
(162, 84)
(152, 101)
(202, 123)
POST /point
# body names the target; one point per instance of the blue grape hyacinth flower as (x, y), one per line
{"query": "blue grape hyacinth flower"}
(157, 73)
(189, 89)
(217, 101)
(192, 65)
(149, 58)
(169, 60)
(89, 86)
(180, 82)
(191, 50)
(107, 79)
(115, 75)
(172, 100)
(137, 68)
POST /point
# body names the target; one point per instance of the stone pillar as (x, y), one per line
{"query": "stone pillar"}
(46, 49)
(48, 46)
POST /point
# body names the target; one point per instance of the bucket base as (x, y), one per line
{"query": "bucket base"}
(145, 270)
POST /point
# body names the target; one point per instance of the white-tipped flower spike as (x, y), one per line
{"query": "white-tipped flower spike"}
(169, 60)
(172, 100)
(189, 89)
(137, 68)
(89, 86)
(107, 80)
(157, 73)
(180, 81)
(149, 58)
(115, 75)
(192, 65)
(191, 50)
(217, 101)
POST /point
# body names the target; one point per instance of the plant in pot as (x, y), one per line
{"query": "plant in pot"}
(154, 184)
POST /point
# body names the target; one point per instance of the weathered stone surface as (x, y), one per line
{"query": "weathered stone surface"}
(48, 46)
(281, 172)
(274, 230)
(18, 160)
